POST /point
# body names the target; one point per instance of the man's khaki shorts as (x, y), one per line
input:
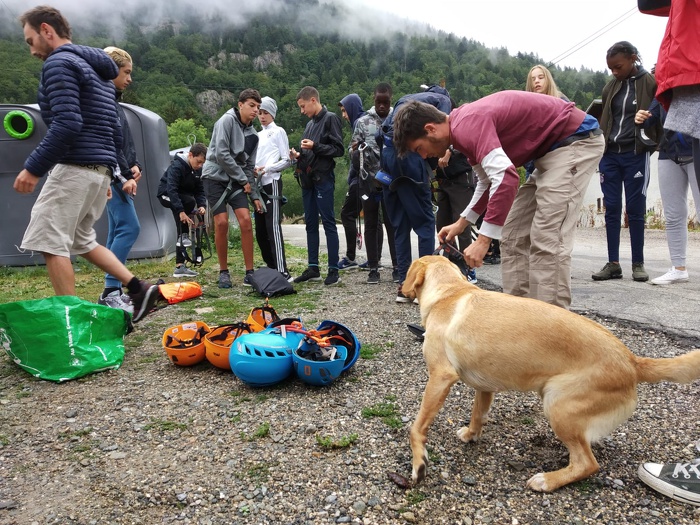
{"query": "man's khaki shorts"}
(70, 202)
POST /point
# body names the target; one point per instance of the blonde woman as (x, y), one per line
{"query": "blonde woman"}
(124, 225)
(540, 80)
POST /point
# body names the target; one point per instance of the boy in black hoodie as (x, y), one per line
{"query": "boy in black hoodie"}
(182, 191)
(321, 142)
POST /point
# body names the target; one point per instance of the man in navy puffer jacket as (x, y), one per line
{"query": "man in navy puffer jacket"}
(76, 98)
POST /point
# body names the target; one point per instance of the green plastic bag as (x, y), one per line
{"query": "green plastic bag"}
(64, 337)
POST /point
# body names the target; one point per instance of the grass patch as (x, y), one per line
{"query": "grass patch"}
(76, 433)
(414, 497)
(370, 351)
(32, 282)
(433, 456)
(386, 411)
(259, 472)
(328, 443)
(165, 425)
(527, 420)
(260, 432)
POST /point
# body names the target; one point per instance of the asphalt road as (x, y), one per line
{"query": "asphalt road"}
(672, 308)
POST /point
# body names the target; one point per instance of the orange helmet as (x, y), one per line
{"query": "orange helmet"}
(218, 342)
(184, 343)
(261, 316)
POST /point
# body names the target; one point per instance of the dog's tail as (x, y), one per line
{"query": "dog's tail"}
(682, 369)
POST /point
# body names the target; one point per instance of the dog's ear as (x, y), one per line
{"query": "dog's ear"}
(414, 278)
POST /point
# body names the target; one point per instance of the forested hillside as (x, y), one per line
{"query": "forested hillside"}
(192, 67)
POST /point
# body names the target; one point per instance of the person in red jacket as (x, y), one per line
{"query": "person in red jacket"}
(678, 90)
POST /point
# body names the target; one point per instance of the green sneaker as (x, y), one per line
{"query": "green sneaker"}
(638, 273)
(611, 270)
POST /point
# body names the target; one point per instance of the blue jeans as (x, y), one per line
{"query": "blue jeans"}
(124, 228)
(409, 207)
(631, 171)
(318, 200)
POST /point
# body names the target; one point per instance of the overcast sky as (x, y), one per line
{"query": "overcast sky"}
(547, 28)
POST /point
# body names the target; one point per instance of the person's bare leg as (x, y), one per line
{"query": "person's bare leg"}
(105, 260)
(221, 239)
(246, 225)
(61, 274)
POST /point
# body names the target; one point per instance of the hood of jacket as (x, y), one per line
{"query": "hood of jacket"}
(353, 107)
(100, 61)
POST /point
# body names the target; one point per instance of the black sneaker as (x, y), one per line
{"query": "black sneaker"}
(492, 259)
(310, 274)
(680, 481)
(332, 277)
(395, 275)
(247, 281)
(373, 277)
(144, 300)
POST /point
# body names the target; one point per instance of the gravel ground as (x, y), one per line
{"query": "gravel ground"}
(153, 443)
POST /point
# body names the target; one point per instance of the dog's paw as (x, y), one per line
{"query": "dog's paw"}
(467, 435)
(419, 473)
(420, 470)
(538, 483)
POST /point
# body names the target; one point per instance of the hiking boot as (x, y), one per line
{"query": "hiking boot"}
(471, 276)
(395, 276)
(114, 300)
(332, 277)
(310, 274)
(401, 298)
(638, 273)
(672, 276)
(611, 270)
(247, 280)
(225, 280)
(373, 277)
(680, 481)
(184, 240)
(183, 271)
(144, 300)
(346, 264)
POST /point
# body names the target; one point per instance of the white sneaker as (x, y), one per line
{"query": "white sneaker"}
(672, 276)
(114, 300)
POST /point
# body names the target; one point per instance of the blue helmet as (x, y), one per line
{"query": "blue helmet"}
(285, 328)
(342, 336)
(261, 359)
(318, 365)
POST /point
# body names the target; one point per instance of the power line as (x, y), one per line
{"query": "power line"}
(594, 36)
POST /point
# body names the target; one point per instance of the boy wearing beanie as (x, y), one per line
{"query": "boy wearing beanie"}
(272, 158)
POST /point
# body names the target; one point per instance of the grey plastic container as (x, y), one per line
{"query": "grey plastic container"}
(157, 237)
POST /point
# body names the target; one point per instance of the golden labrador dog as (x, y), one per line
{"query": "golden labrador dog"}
(586, 377)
